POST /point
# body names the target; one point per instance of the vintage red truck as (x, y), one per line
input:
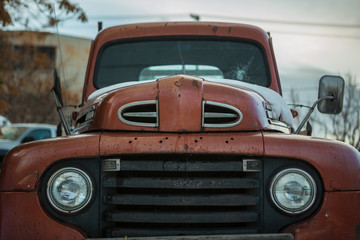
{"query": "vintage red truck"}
(183, 134)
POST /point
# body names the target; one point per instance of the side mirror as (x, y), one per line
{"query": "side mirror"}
(330, 100)
(331, 86)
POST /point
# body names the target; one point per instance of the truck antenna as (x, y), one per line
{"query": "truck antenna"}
(56, 90)
(61, 58)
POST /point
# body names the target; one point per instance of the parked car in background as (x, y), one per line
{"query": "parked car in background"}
(4, 121)
(15, 134)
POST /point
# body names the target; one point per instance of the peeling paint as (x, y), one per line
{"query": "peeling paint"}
(187, 184)
(28, 183)
(214, 29)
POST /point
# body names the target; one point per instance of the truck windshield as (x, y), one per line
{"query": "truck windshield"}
(146, 60)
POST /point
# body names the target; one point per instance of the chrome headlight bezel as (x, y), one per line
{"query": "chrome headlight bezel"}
(83, 181)
(308, 185)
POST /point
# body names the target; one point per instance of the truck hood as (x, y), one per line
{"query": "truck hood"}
(184, 103)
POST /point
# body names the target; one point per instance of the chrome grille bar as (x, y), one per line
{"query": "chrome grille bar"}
(155, 195)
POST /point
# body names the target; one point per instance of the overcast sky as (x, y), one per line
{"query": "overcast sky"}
(311, 38)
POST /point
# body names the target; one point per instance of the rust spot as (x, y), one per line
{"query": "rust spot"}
(195, 84)
(177, 83)
(28, 183)
(229, 30)
(334, 186)
(214, 29)
(186, 147)
(187, 183)
(252, 184)
(165, 25)
(174, 166)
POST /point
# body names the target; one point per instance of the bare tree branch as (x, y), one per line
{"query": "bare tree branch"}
(38, 13)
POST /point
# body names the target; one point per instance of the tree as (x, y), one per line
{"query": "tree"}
(38, 13)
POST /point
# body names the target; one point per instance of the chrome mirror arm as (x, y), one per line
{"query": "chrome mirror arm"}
(311, 111)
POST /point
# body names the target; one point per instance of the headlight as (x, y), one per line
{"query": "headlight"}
(293, 190)
(69, 190)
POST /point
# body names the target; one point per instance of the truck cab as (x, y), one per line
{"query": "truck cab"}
(182, 133)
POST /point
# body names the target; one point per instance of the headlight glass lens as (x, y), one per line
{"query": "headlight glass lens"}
(69, 190)
(293, 190)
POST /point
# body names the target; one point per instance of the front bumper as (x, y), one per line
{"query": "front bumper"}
(22, 217)
(277, 236)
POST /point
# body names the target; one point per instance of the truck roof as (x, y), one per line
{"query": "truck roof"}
(178, 29)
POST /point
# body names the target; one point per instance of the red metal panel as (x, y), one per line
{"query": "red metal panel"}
(250, 103)
(337, 162)
(23, 218)
(247, 143)
(180, 104)
(106, 116)
(338, 218)
(25, 163)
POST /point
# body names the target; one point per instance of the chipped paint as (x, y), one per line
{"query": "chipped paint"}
(214, 29)
(28, 183)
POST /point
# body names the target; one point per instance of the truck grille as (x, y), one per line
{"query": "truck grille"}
(180, 195)
(142, 113)
(222, 115)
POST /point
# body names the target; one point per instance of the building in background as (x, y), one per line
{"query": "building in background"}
(74, 53)
(28, 60)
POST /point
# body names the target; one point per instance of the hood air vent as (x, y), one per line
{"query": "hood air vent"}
(142, 113)
(220, 115)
